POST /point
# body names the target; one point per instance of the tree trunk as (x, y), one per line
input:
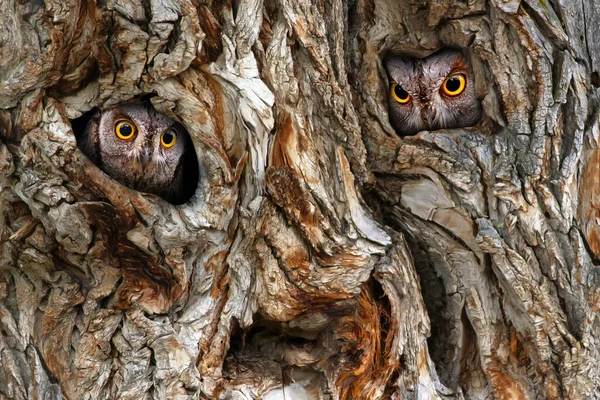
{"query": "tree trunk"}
(322, 256)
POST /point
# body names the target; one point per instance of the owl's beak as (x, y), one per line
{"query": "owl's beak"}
(428, 116)
(145, 159)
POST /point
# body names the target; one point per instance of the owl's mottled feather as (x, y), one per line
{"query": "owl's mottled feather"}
(142, 162)
(430, 108)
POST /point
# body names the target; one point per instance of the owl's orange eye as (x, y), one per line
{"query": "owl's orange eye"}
(454, 84)
(399, 94)
(125, 129)
(168, 138)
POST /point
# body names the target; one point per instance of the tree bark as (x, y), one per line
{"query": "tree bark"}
(322, 256)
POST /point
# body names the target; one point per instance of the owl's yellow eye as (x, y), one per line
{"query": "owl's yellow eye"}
(399, 94)
(454, 84)
(125, 129)
(168, 138)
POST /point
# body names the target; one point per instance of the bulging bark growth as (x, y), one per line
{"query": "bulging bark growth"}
(321, 256)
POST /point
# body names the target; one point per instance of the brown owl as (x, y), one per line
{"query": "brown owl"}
(431, 93)
(143, 150)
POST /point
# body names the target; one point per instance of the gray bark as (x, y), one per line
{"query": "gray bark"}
(322, 256)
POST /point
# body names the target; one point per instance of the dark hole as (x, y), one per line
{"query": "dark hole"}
(595, 79)
(191, 176)
(453, 84)
(400, 93)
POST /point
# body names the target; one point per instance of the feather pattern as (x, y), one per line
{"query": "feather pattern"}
(142, 162)
(430, 108)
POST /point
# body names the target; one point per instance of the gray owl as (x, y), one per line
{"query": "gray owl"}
(431, 93)
(143, 150)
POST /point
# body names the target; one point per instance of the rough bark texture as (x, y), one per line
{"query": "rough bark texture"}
(322, 256)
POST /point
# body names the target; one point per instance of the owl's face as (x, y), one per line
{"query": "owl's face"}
(141, 148)
(431, 93)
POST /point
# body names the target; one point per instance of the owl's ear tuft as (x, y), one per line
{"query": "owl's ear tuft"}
(393, 63)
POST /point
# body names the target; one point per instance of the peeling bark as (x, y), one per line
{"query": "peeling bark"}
(321, 256)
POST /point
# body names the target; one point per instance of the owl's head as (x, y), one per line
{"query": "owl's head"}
(431, 93)
(141, 148)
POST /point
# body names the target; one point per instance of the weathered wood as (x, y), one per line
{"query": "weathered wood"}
(321, 256)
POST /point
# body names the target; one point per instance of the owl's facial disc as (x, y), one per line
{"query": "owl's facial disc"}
(432, 93)
(142, 149)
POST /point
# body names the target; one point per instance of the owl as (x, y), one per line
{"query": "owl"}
(143, 150)
(431, 93)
